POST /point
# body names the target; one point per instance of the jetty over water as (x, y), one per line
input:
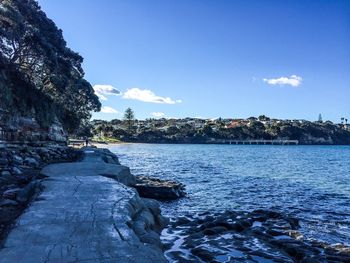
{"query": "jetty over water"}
(257, 142)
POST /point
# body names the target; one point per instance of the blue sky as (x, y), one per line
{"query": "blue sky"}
(199, 58)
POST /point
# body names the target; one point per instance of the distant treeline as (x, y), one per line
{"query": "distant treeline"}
(191, 130)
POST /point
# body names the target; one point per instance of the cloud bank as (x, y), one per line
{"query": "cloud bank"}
(107, 109)
(147, 96)
(293, 80)
(158, 114)
(105, 90)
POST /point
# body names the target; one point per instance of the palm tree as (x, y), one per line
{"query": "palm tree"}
(342, 120)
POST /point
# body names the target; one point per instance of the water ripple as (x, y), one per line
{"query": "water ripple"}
(311, 182)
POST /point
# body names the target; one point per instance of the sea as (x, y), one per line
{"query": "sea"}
(311, 183)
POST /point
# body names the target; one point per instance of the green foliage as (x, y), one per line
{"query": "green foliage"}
(129, 118)
(204, 131)
(33, 49)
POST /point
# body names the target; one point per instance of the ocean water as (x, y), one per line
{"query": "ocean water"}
(311, 183)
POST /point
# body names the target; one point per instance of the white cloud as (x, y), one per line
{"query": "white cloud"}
(104, 90)
(107, 109)
(158, 114)
(293, 80)
(147, 96)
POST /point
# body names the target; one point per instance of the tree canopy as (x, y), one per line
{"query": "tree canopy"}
(33, 48)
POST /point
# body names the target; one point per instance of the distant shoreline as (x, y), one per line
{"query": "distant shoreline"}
(102, 145)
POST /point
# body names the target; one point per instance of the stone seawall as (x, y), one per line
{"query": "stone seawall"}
(87, 213)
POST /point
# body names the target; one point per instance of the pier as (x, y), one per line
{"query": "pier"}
(257, 142)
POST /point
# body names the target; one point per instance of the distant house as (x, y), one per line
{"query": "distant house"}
(234, 124)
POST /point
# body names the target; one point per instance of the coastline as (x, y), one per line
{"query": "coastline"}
(199, 223)
(133, 228)
(102, 145)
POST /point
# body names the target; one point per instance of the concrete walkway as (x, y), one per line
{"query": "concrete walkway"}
(81, 216)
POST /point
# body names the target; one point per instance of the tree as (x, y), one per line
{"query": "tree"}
(263, 118)
(33, 49)
(207, 130)
(320, 118)
(129, 118)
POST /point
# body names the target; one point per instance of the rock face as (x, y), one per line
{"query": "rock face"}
(159, 189)
(82, 215)
(27, 129)
(258, 236)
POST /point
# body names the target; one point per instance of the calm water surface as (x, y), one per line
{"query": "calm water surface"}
(309, 182)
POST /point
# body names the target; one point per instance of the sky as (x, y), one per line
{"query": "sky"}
(212, 58)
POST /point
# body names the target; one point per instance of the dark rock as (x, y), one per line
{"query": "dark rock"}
(16, 159)
(5, 173)
(16, 170)
(231, 233)
(151, 237)
(197, 235)
(237, 227)
(8, 202)
(25, 194)
(11, 193)
(31, 162)
(152, 205)
(182, 220)
(159, 189)
(203, 254)
(3, 161)
(214, 230)
(274, 232)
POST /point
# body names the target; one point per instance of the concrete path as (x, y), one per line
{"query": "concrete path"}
(81, 216)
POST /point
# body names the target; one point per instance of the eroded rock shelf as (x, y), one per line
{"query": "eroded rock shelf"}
(84, 216)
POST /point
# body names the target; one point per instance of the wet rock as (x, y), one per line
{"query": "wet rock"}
(5, 173)
(151, 237)
(16, 159)
(8, 202)
(214, 230)
(295, 234)
(111, 159)
(150, 187)
(31, 162)
(11, 193)
(3, 161)
(25, 194)
(203, 254)
(210, 237)
(16, 170)
(182, 220)
(196, 235)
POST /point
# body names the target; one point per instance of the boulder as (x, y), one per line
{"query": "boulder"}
(151, 237)
(16, 159)
(16, 170)
(27, 192)
(159, 189)
(31, 162)
(5, 173)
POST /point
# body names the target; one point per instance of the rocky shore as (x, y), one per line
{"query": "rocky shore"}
(258, 236)
(20, 167)
(86, 211)
(159, 189)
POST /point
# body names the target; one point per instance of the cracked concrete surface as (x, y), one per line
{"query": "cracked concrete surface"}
(80, 216)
